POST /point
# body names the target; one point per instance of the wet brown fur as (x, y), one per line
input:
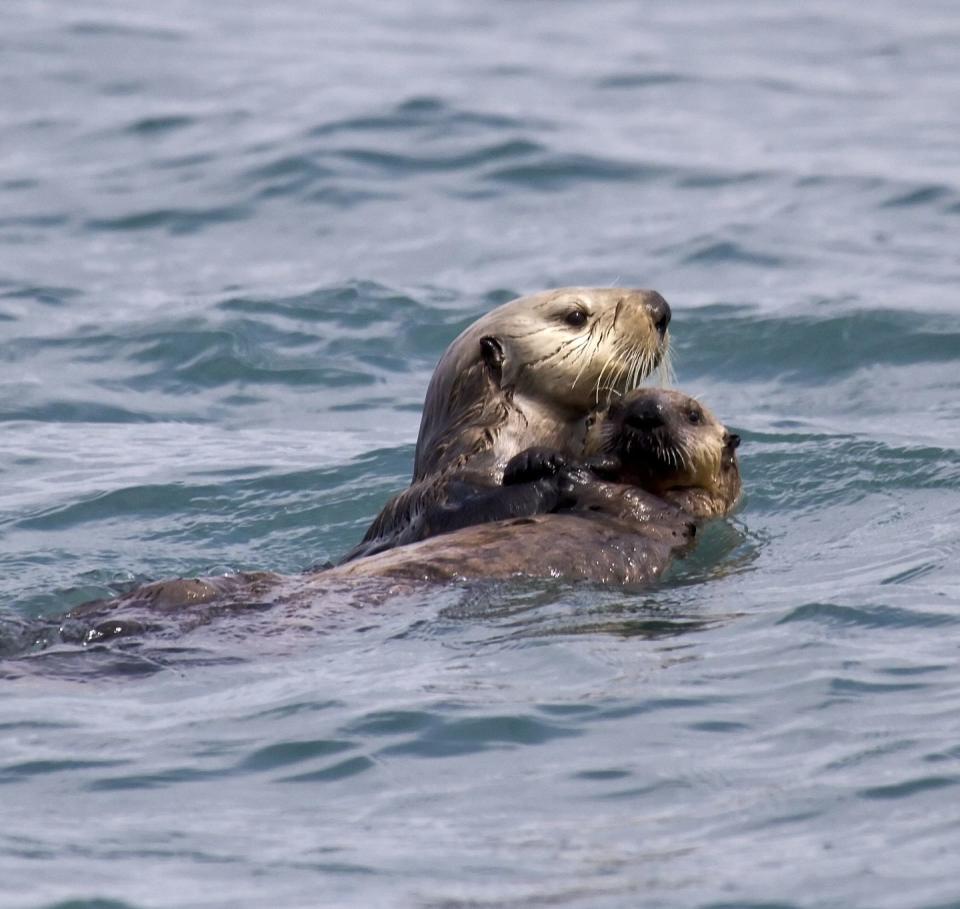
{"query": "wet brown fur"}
(691, 464)
(622, 532)
(520, 376)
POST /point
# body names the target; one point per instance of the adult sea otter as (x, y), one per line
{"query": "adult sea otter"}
(531, 372)
(658, 464)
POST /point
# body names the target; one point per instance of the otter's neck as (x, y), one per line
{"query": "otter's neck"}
(529, 423)
(482, 437)
(483, 448)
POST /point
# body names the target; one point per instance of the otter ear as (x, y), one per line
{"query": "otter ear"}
(491, 351)
(728, 457)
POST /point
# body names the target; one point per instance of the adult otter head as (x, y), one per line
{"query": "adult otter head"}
(530, 371)
(670, 445)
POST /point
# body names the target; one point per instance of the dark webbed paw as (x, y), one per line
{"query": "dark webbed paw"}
(534, 464)
(571, 483)
(579, 478)
(604, 466)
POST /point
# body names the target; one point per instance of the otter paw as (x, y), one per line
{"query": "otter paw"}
(571, 483)
(534, 464)
(605, 466)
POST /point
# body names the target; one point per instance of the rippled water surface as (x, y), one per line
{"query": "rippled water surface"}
(234, 240)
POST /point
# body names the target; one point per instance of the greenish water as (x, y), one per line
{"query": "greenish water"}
(233, 244)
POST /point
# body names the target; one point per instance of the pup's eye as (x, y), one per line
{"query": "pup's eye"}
(695, 416)
(575, 318)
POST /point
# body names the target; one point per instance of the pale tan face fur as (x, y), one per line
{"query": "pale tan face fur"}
(530, 372)
(575, 347)
(672, 446)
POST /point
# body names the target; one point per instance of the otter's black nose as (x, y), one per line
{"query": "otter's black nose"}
(659, 311)
(644, 413)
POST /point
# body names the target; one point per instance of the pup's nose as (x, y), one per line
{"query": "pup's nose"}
(644, 413)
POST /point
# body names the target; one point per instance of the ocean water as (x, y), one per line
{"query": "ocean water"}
(235, 239)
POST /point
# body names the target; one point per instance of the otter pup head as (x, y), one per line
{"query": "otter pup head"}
(670, 445)
(542, 363)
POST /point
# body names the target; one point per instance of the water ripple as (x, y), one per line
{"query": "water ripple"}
(726, 251)
(909, 788)
(837, 615)
(96, 28)
(558, 171)
(283, 754)
(923, 195)
(173, 220)
(642, 80)
(448, 737)
(417, 113)
(812, 347)
(152, 126)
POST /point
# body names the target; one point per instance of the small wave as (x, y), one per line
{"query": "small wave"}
(18, 184)
(360, 306)
(367, 332)
(102, 28)
(816, 472)
(750, 904)
(386, 330)
(391, 722)
(333, 774)
(415, 114)
(173, 220)
(877, 617)
(92, 903)
(178, 161)
(289, 166)
(723, 252)
(908, 788)
(513, 612)
(287, 175)
(922, 195)
(279, 755)
(715, 178)
(76, 411)
(82, 664)
(142, 499)
(557, 171)
(448, 737)
(35, 221)
(394, 162)
(48, 295)
(154, 126)
(642, 80)
(12, 772)
(886, 195)
(812, 347)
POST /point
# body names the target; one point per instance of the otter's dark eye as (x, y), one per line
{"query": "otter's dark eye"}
(575, 318)
(695, 416)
